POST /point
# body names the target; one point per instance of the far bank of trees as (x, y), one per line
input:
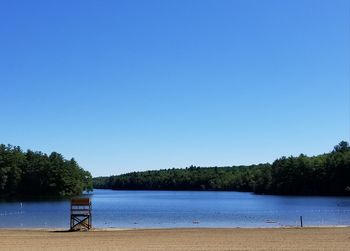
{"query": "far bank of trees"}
(325, 174)
(37, 174)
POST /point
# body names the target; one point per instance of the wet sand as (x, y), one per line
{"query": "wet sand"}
(178, 239)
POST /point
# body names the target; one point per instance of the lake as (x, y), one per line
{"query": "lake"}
(162, 209)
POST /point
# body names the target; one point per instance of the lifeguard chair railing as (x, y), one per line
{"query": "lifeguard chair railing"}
(80, 214)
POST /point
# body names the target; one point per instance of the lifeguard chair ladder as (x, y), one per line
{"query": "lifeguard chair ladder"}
(80, 214)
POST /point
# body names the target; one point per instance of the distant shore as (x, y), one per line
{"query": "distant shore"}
(181, 239)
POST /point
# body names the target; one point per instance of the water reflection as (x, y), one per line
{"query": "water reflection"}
(183, 209)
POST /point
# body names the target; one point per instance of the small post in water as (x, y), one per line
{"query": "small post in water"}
(301, 221)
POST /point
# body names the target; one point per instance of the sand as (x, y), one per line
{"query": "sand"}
(178, 239)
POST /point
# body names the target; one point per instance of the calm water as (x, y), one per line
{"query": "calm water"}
(137, 209)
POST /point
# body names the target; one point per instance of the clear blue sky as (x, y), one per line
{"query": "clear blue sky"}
(134, 85)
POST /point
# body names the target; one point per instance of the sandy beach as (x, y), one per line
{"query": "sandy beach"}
(178, 239)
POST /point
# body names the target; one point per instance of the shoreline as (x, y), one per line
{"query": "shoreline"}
(96, 229)
(177, 239)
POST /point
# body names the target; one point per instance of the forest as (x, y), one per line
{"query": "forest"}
(37, 174)
(325, 174)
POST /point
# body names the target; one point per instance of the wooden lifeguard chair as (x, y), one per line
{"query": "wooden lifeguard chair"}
(80, 214)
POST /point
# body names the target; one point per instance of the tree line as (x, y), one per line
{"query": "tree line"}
(38, 174)
(325, 174)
